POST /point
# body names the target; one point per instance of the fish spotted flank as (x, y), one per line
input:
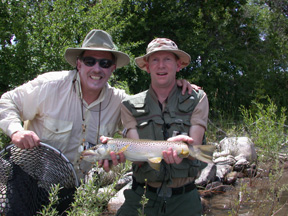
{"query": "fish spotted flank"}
(147, 150)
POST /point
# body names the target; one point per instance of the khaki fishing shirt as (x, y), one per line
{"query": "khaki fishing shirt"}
(51, 106)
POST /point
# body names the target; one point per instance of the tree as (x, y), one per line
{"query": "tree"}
(238, 47)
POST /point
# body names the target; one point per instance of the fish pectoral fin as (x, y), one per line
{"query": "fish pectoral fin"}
(155, 160)
(155, 163)
(123, 149)
(183, 154)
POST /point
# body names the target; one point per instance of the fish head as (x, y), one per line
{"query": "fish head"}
(98, 152)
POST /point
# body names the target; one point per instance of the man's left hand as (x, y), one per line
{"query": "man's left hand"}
(170, 156)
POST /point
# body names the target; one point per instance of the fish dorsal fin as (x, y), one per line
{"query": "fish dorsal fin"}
(155, 163)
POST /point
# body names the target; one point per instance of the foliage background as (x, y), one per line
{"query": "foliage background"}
(238, 47)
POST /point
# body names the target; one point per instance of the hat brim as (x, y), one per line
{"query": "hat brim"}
(71, 55)
(183, 56)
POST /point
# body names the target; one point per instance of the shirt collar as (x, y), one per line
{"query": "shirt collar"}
(154, 96)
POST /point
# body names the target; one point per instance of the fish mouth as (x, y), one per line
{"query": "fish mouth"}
(87, 153)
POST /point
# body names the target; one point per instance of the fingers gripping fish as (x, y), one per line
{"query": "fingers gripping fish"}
(147, 150)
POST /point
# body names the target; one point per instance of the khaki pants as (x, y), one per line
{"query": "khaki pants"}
(187, 204)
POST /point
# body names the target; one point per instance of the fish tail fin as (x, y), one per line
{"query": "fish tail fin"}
(202, 152)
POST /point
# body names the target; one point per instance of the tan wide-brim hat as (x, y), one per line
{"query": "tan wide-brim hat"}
(163, 44)
(97, 40)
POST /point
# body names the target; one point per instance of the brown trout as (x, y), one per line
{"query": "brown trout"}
(147, 150)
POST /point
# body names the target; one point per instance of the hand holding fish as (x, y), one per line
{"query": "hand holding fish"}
(171, 156)
(115, 160)
(181, 138)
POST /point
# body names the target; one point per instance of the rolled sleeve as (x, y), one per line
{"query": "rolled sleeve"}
(128, 121)
(18, 105)
(9, 114)
(200, 113)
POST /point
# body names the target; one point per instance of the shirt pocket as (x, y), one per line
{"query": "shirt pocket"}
(56, 131)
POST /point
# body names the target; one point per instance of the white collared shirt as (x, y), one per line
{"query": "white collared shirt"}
(50, 105)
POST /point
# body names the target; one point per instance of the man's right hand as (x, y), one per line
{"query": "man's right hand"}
(25, 139)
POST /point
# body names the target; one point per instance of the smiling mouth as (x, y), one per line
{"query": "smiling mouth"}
(96, 77)
(161, 74)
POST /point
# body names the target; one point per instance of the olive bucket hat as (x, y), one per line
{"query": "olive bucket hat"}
(163, 44)
(97, 40)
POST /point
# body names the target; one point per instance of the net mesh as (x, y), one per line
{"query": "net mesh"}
(26, 177)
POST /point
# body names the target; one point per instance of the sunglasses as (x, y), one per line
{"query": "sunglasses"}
(90, 62)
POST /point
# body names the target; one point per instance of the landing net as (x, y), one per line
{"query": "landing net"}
(26, 177)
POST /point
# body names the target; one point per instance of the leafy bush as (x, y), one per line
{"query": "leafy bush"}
(4, 140)
(266, 128)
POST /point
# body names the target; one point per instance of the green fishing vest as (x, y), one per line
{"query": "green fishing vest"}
(155, 124)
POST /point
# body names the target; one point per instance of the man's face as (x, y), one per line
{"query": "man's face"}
(163, 67)
(94, 77)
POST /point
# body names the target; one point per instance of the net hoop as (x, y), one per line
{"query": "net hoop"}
(26, 177)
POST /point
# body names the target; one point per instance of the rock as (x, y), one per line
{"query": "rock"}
(123, 181)
(209, 190)
(225, 160)
(230, 178)
(213, 185)
(207, 175)
(250, 172)
(238, 147)
(241, 175)
(241, 165)
(116, 202)
(222, 171)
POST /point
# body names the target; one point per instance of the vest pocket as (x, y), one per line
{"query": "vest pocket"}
(148, 173)
(150, 129)
(188, 168)
(187, 104)
(179, 126)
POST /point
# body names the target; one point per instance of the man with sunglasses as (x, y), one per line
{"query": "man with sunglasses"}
(69, 110)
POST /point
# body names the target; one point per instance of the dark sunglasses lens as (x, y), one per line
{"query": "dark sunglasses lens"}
(105, 63)
(90, 62)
